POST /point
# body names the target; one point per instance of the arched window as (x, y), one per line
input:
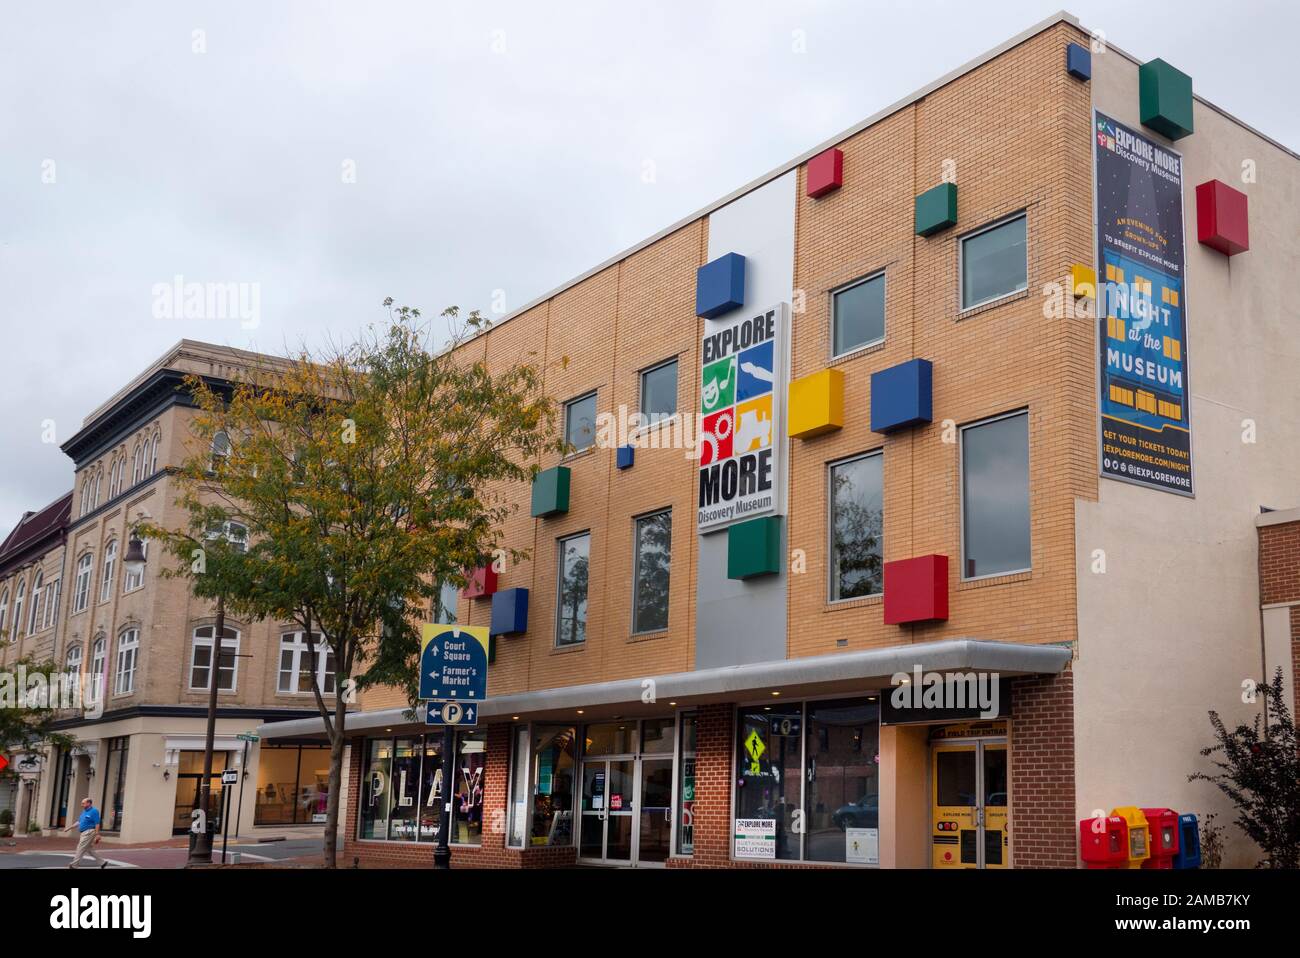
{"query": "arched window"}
(153, 461)
(145, 453)
(134, 580)
(136, 465)
(72, 664)
(220, 450)
(94, 496)
(98, 659)
(52, 593)
(18, 609)
(4, 612)
(38, 603)
(201, 659)
(85, 494)
(128, 647)
(81, 584)
(110, 568)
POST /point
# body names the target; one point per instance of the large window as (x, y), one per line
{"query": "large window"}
(580, 422)
(541, 786)
(857, 527)
(654, 540)
(659, 392)
(52, 593)
(571, 609)
(822, 757)
(686, 786)
(292, 784)
(994, 262)
(18, 609)
(98, 665)
(444, 607)
(995, 496)
(110, 568)
(4, 613)
(128, 648)
(402, 788)
(114, 784)
(135, 580)
(858, 315)
(38, 602)
(72, 664)
(201, 659)
(296, 669)
(81, 585)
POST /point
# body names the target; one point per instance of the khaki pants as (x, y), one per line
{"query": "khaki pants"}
(86, 849)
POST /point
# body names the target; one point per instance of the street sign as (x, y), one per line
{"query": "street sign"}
(451, 713)
(248, 737)
(454, 663)
(230, 777)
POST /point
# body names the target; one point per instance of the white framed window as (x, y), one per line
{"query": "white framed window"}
(995, 496)
(4, 612)
(153, 460)
(201, 659)
(72, 662)
(137, 465)
(580, 422)
(296, 670)
(134, 580)
(858, 314)
(110, 569)
(235, 533)
(52, 593)
(659, 392)
(112, 478)
(128, 647)
(38, 603)
(85, 494)
(145, 453)
(94, 496)
(81, 584)
(18, 608)
(220, 450)
(994, 261)
(98, 662)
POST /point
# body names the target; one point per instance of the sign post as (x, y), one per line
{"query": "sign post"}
(228, 777)
(453, 682)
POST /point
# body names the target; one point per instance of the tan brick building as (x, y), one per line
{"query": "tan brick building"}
(997, 513)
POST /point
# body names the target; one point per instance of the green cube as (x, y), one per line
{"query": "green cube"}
(551, 492)
(936, 209)
(754, 548)
(1165, 99)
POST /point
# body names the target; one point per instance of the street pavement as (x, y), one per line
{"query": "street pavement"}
(54, 853)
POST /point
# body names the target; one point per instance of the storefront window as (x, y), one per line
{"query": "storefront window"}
(405, 783)
(610, 738)
(842, 798)
(471, 773)
(375, 790)
(402, 795)
(518, 785)
(552, 776)
(115, 783)
(768, 752)
(292, 784)
(686, 788)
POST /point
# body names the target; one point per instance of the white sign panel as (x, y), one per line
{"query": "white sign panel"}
(742, 395)
(756, 838)
(862, 846)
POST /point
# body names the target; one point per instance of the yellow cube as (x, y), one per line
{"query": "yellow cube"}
(1083, 280)
(816, 404)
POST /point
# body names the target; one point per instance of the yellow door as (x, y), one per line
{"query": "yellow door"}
(955, 835)
(997, 847)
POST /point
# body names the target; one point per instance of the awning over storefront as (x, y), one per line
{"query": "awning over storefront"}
(814, 675)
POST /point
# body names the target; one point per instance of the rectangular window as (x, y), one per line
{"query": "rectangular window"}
(571, 610)
(768, 767)
(857, 527)
(580, 422)
(52, 603)
(402, 789)
(201, 659)
(842, 796)
(111, 806)
(686, 787)
(541, 786)
(659, 392)
(995, 496)
(444, 612)
(518, 786)
(81, 585)
(858, 315)
(375, 793)
(128, 645)
(292, 784)
(296, 673)
(994, 262)
(653, 559)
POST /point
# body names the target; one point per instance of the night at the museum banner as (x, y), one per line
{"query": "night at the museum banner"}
(1141, 310)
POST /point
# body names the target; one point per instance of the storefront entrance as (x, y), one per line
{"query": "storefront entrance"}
(969, 794)
(189, 773)
(627, 793)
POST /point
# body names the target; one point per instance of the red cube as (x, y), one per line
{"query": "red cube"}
(1221, 218)
(482, 581)
(916, 590)
(825, 172)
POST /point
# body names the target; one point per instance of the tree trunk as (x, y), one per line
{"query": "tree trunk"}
(336, 785)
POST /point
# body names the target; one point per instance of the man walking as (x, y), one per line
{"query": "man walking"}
(88, 825)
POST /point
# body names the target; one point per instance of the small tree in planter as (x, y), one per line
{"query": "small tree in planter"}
(1259, 770)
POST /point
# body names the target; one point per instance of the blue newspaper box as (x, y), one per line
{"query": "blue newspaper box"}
(1189, 843)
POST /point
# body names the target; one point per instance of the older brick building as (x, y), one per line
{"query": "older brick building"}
(875, 445)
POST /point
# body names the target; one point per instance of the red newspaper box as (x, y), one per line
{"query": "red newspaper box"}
(1103, 842)
(1163, 823)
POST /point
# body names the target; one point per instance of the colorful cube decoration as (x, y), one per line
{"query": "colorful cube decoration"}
(916, 590)
(1083, 281)
(1165, 99)
(1078, 61)
(825, 172)
(551, 492)
(720, 286)
(625, 457)
(509, 612)
(901, 395)
(1222, 222)
(816, 404)
(754, 548)
(480, 582)
(936, 209)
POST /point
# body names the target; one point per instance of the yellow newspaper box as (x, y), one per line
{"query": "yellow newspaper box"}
(1139, 834)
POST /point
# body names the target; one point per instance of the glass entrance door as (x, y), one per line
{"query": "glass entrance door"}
(969, 820)
(654, 838)
(627, 792)
(608, 807)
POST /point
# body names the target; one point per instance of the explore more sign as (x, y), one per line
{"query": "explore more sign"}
(742, 391)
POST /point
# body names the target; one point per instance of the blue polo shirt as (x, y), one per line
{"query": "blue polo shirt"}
(89, 820)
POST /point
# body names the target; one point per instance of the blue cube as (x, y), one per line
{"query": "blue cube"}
(1078, 62)
(720, 286)
(509, 612)
(901, 395)
(626, 456)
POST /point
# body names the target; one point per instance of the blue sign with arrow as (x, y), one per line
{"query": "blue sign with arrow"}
(451, 713)
(454, 663)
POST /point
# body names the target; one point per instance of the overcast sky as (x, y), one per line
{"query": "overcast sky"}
(490, 146)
